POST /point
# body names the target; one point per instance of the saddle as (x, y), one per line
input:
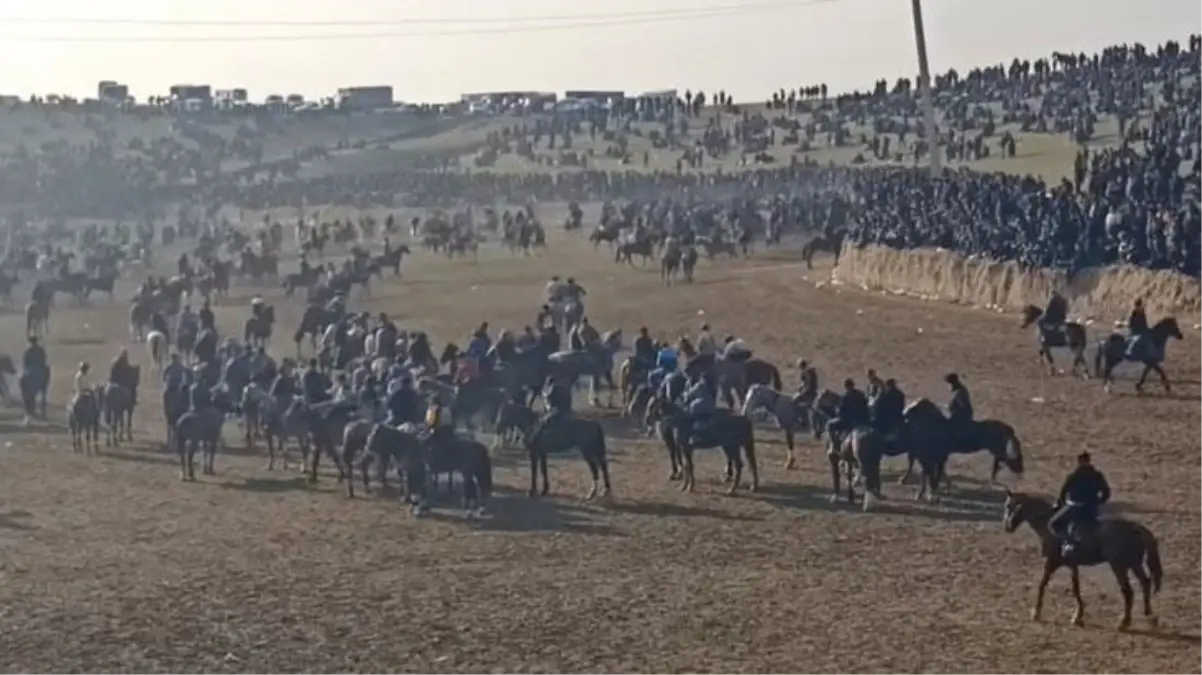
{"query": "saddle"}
(1080, 540)
(1054, 336)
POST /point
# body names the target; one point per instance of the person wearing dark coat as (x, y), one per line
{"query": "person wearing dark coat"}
(404, 406)
(853, 411)
(159, 322)
(558, 397)
(888, 407)
(1137, 323)
(644, 350)
(207, 320)
(1081, 497)
(314, 385)
(1056, 313)
(959, 408)
(199, 395)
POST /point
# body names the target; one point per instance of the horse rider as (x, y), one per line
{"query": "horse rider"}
(558, 397)
(853, 412)
(82, 383)
(700, 401)
(705, 341)
(120, 372)
(175, 375)
(314, 386)
(420, 353)
(1084, 492)
(207, 320)
(183, 266)
(807, 387)
(573, 290)
(439, 422)
(735, 349)
(369, 399)
(188, 323)
(34, 364)
(644, 352)
(527, 340)
(386, 337)
(875, 384)
(1056, 313)
(504, 350)
(666, 361)
(583, 336)
(478, 347)
(40, 295)
(199, 394)
(404, 403)
(546, 316)
(555, 291)
(959, 408)
(1137, 322)
(887, 408)
(158, 322)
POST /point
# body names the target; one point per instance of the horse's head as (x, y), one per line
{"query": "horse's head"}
(1030, 315)
(1166, 328)
(1022, 508)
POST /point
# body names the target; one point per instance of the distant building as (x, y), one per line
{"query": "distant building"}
(228, 96)
(595, 95)
(192, 92)
(365, 98)
(113, 92)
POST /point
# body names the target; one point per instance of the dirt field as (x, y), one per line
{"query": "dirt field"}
(112, 564)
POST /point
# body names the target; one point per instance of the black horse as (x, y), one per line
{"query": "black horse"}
(1071, 337)
(388, 445)
(1124, 545)
(446, 453)
(1148, 349)
(584, 435)
(201, 429)
(34, 386)
(941, 440)
(727, 430)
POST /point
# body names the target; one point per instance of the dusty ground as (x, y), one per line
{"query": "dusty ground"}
(113, 564)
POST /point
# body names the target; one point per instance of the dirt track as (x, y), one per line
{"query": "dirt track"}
(113, 564)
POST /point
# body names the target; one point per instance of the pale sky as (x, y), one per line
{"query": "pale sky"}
(845, 43)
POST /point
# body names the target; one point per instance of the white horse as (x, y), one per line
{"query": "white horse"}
(156, 346)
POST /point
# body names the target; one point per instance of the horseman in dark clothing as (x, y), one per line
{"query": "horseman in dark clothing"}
(35, 371)
(1084, 492)
(1137, 322)
(644, 351)
(558, 397)
(404, 405)
(504, 351)
(1055, 315)
(959, 409)
(183, 266)
(314, 385)
(887, 409)
(808, 387)
(159, 322)
(199, 395)
(122, 373)
(853, 412)
(207, 320)
(283, 387)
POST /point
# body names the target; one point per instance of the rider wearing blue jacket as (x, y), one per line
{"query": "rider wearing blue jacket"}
(700, 400)
(665, 363)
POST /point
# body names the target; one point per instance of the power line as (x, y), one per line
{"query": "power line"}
(686, 12)
(617, 19)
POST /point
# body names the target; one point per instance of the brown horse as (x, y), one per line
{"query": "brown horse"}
(1124, 545)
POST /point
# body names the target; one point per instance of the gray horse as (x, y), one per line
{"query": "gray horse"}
(281, 420)
(84, 420)
(197, 428)
(117, 405)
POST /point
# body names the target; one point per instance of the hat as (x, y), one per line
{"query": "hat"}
(951, 378)
(1083, 458)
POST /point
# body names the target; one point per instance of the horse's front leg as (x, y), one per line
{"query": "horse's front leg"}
(542, 468)
(1164, 379)
(836, 476)
(1079, 615)
(533, 474)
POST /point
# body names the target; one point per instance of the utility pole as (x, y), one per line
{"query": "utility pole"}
(924, 89)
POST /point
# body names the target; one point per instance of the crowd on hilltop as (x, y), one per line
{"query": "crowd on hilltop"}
(1135, 201)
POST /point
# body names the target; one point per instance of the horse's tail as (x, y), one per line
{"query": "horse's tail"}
(1152, 551)
(776, 382)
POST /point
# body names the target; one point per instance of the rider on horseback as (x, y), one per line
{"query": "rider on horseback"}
(959, 408)
(583, 336)
(1084, 492)
(644, 351)
(120, 372)
(1137, 322)
(314, 385)
(404, 405)
(853, 413)
(887, 408)
(1055, 315)
(735, 349)
(558, 397)
(808, 388)
(875, 384)
(700, 402)
(665, 364)
(199, 394)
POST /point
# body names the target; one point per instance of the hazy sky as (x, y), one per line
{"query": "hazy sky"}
(845, 43)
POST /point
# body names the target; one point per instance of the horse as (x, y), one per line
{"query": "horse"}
(1072, 337)
(387, 444)
(117, 403)
(34, 386)
(513, 420)
(688, 263)
(469, 458)
(713, 248)
(644, 248)
(726, 430)
(925, 437)
(782, 409)
(156, 347)
(1125, 545)
(857, 454)
(282, 420)
(821, 244)
(257, 331)
(201, 429)
(1148, 349)
(669, 264)
(37, 318)
(585, 435)
(83, 418)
